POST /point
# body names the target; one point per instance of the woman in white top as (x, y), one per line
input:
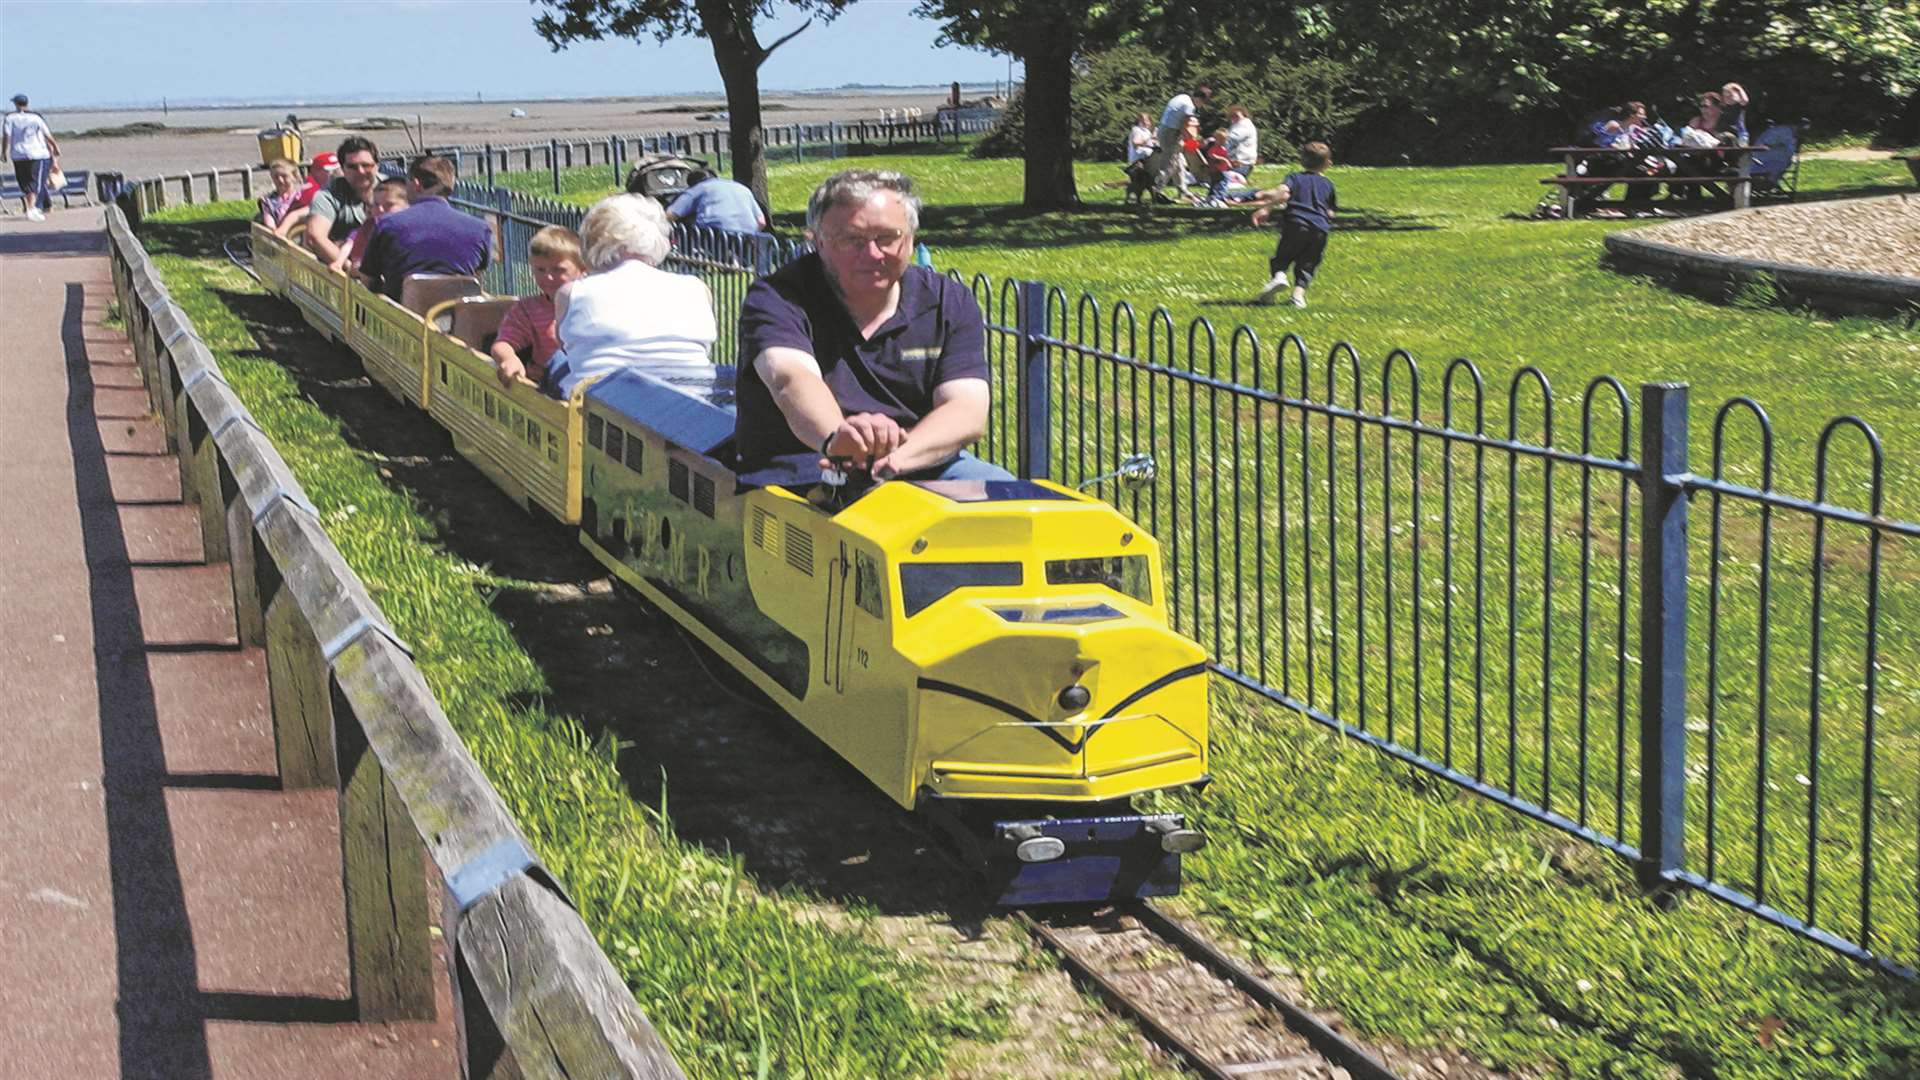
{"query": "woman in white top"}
(627, 312)
(1140, 144)
(30, 145)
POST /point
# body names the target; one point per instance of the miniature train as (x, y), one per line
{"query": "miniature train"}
(994, 655)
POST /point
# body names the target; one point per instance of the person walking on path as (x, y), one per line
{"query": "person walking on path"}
(31, 147)
(1165, 162)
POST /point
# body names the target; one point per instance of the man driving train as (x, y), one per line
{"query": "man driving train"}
(853, 354)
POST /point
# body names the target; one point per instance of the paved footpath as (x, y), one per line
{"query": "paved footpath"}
(166, 911)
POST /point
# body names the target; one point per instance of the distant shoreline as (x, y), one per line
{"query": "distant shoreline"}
(719, 94)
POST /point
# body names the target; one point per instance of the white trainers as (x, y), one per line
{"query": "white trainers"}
(1299, 300)
(1275, 286)
(36, 214)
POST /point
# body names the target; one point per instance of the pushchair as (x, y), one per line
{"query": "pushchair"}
(1776, 170)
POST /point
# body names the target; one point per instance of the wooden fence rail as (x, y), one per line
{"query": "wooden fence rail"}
(534, 994)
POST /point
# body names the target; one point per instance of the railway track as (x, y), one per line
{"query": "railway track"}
(1200, 1005)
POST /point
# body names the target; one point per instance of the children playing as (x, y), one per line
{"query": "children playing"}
(1309, 202)
(528, 327)
(275, 205)
(1219, 168)
(389, 197)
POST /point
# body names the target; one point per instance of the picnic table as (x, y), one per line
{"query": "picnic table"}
(1734, 164)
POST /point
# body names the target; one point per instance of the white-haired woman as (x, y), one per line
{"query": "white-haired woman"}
(627, 312)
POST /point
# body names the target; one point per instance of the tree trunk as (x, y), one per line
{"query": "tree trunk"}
(738, 54)
(1049, 124)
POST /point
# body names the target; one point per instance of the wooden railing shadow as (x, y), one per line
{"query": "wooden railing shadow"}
(534, 994)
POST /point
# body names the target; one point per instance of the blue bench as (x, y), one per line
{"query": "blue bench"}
(77, 180)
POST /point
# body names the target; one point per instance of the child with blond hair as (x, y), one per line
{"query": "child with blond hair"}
(527, 338)
(275, 205)
(390, 196)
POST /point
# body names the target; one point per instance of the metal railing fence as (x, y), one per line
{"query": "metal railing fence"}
(1523, 608)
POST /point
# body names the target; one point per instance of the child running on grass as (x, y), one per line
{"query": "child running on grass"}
(528, 328)
(1310, 204)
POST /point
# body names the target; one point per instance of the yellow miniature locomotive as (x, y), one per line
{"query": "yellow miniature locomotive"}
(994, 654)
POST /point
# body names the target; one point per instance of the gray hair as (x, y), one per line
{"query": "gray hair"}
(854, 187)
(619, 226)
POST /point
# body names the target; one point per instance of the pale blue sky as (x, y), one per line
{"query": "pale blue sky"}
(77, 53)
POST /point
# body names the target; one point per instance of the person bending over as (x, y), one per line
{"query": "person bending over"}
(714, 202)
(341, 207)
(527, 339)
(428, 237)
(627, 312)
(852, 354)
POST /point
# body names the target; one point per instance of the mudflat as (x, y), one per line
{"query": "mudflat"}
(225, 138)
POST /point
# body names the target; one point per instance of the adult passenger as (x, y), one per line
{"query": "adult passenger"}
(30, 145)
(341, 206)
(714, 202)
(627, 312)
(853, 354)
(428, 237)
(1165, 162)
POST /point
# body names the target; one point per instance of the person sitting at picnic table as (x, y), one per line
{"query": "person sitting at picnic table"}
(627, 312)
(428, 237)
(1243, 141)
(854, 355)
(1733, 113)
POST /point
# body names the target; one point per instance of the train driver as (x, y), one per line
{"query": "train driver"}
(853, 354)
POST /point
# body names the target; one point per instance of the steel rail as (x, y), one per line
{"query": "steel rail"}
(1328, 1043)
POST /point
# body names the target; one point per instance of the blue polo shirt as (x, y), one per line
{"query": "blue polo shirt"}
(718, 204)
(429, 237)
(1311, 201)
(936, 336)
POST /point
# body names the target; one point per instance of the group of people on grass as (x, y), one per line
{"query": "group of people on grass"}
(1303, 203)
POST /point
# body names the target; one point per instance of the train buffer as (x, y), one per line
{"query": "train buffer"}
(170, 910)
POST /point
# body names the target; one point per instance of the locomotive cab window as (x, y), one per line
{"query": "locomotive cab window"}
(1127, 575)
(923, 583)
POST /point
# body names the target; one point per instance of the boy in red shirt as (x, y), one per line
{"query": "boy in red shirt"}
(526, 340)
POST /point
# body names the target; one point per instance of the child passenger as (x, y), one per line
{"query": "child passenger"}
(275, 205)
(390, 196)
(1310, 203)
(528, 328)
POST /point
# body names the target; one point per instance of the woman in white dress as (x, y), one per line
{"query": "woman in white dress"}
(627, 312)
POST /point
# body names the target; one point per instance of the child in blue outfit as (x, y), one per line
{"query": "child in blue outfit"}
(1309, 203)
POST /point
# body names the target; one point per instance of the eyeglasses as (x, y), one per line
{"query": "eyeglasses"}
(889, 242)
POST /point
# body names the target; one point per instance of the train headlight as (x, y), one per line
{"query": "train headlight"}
(1075, 698)
(1032, 846)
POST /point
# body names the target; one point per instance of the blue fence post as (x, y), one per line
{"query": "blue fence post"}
(1663, 632)
(1031, 381)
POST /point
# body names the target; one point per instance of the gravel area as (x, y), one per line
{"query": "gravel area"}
(1878, 235)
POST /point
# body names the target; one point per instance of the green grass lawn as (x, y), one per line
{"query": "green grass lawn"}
(1421, 912)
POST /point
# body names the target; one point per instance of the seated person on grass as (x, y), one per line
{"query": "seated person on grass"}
(428, 237)
(852, 354)
(341, 206)
(527, 340)
(390, 196)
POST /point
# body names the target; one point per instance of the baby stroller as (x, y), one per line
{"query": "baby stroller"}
(1776, 170)
(662, 176)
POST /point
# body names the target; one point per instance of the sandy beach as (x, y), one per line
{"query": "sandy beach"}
(199, 139)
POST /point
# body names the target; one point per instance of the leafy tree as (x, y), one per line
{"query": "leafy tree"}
(1048, 36)
(727, 24)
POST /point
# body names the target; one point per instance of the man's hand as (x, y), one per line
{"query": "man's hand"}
(863, 439)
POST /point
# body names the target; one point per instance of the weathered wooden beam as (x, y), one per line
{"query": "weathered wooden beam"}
(255, 480)
(560, 1005)
(389, 954)
(207, 403)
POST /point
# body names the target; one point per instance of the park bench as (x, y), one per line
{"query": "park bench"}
(76, 184)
